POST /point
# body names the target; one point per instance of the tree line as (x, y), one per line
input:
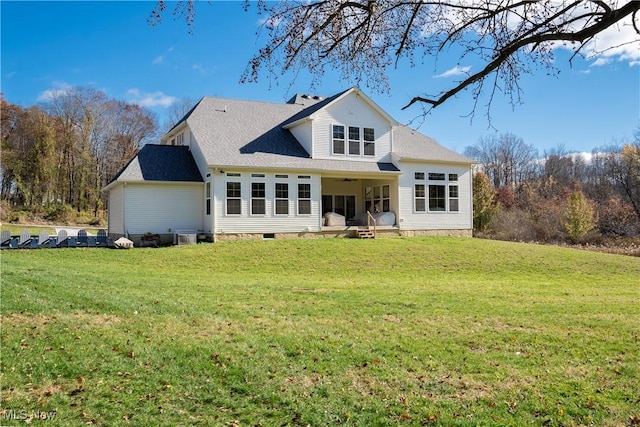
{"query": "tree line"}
(559, 196)
(57, 156)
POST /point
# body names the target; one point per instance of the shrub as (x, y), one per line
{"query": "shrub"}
(513, 224)
(484, 205)
(7, 213)
(579, 217)
(616, 218)
(61, 214)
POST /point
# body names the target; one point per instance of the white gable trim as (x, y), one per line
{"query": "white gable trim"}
(355, 91)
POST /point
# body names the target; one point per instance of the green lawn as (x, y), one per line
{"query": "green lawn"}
(16, 229)
(420, 331)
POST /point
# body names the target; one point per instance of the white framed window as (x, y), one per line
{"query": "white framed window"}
(282, 198)
(207, 193)
(419, 176)
(258, 198)
(354, 141)
(453, 198)
(369, 142)
(437, 199)
(234, 198)
(304, 199)
(180, 139)
(337, 142)
(437, 176)
(453, 177)
(419, 197)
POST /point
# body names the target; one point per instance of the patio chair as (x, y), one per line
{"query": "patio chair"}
(82, 238)
(7, 241)
(26, 241)
(102, 238)
(45, 240)
(66, 241)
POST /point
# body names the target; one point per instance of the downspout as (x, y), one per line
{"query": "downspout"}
(124, 211)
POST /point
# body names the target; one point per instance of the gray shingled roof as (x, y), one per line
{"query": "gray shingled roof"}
(409, 144)
(240, 133)
(161, 163)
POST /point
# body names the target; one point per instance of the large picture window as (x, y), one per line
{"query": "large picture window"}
(234, 201)
(338, 139)
(437, 200)
(304, 199)
(258, 204)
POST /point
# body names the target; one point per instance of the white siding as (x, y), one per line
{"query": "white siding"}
(156, 208)
(304, 134)
(409, 219)
(269, 222)
(196, 152)
(116, 217)
(351, 111)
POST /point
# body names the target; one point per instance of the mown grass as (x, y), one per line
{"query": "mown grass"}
(16, 229)
(417, 331)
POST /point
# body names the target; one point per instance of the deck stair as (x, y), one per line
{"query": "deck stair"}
(366, 233)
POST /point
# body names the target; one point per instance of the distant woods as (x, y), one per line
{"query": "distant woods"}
(57, 156)
(557, 196)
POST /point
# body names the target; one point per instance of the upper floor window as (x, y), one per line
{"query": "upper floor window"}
(369, 142)
(338, 139)
(354, 141)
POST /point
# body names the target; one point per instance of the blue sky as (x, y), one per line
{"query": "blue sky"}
(49, 46)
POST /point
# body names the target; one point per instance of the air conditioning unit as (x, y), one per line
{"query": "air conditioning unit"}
(185, 238)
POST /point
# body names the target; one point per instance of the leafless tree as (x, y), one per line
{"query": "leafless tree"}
(506, 159)
(364, 38)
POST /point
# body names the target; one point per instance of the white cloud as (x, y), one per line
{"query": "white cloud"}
(619, 42)
(152, 99)
(601, 61)
(158, 60)
(455, 71)
(58, 89)
(199, 68)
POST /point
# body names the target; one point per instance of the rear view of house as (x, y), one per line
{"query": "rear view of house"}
(310, 167)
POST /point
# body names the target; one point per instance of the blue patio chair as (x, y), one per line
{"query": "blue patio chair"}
(83, 239)
(102, 239)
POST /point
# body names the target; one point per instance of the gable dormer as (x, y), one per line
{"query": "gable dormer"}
(348, 126)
